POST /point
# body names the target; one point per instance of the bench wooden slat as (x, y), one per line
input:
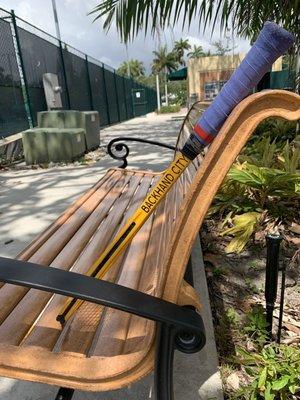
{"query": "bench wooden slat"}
(10, 295)
(29, 308)
(47, 322)
(35, 244)
(74, 335)
(141, 331)
(49, 250)
(44, 236)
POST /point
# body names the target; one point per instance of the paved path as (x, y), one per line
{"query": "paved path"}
(31, 199)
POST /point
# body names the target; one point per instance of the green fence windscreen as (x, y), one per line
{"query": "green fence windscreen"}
(13, 117)
(282, 79)
(77, 80)
(40, 56)
(86, 83)
(98, 92)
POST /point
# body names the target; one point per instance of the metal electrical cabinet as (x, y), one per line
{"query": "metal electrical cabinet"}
(91, 124)
(62, 136)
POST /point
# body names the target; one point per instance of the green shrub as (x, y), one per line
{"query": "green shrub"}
(256, 326)
(263, 185)
(274, 373)
(169, 109)
(275, 128)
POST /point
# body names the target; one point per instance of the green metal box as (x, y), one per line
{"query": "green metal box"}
(35, 146)
(71, 119)
(59, 119)
(65, 145)
(91, 124)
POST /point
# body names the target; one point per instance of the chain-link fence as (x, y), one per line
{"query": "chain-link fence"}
(26, 53)
(13, 117)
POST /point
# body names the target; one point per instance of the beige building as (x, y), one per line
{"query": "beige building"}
(207, 75)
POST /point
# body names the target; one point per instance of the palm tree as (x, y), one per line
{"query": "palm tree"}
(164, 62)
(197, 52)
(179, 48)
(133, 68)
(221, 48)
(247, 16)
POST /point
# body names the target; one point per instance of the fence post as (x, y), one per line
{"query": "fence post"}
(64, 74)
(125, 100)
(132, 97)
(105, 95)
(117, 97)
(89, 82)
(25, 92)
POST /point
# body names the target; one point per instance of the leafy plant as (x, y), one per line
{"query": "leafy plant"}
(290, 159)
(242, 229)
(232, 316)
(264, 181)
(256, 326)
(274, 373)
(263, 185)
(275, 128)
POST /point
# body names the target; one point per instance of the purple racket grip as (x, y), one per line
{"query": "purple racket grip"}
(271, 43)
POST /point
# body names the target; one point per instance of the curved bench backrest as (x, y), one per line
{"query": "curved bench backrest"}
(212, 171)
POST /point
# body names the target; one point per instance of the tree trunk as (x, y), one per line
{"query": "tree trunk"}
(166, 89)
(158, 92)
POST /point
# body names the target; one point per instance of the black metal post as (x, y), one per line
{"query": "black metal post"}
(163, 372)
(105, 95)
(64, 74)
(64, 394)
(271, 283)
(89, 82)
(132, 98)
(117, 97)
(26, 96)
(281, 304)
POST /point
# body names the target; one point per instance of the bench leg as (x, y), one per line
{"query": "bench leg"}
(64, 394)
(163, 375)
(188, 276)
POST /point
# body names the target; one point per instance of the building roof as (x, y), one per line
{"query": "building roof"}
(178, 75)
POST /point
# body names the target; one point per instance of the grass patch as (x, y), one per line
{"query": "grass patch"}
(169, 109)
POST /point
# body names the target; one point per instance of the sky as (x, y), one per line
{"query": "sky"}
(78, 30)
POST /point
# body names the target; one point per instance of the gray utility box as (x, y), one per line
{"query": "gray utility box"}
(35, 146)
(61, 136)
(65, 145)
(91, 125)
(87, 120)
(44, 145)
(60, 119)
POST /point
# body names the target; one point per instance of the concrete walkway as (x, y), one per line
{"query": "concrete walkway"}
(31, 199)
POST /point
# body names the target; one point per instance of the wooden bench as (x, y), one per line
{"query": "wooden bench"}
(103, 348)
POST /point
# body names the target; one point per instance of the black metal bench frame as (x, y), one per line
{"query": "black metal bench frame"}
(178, 327)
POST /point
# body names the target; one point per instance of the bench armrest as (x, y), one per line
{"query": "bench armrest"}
(120, 151)
(183, 320)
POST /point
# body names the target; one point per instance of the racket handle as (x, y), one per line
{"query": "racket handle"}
(272, 42)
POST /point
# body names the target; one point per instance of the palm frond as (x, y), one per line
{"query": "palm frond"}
(246, 16)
